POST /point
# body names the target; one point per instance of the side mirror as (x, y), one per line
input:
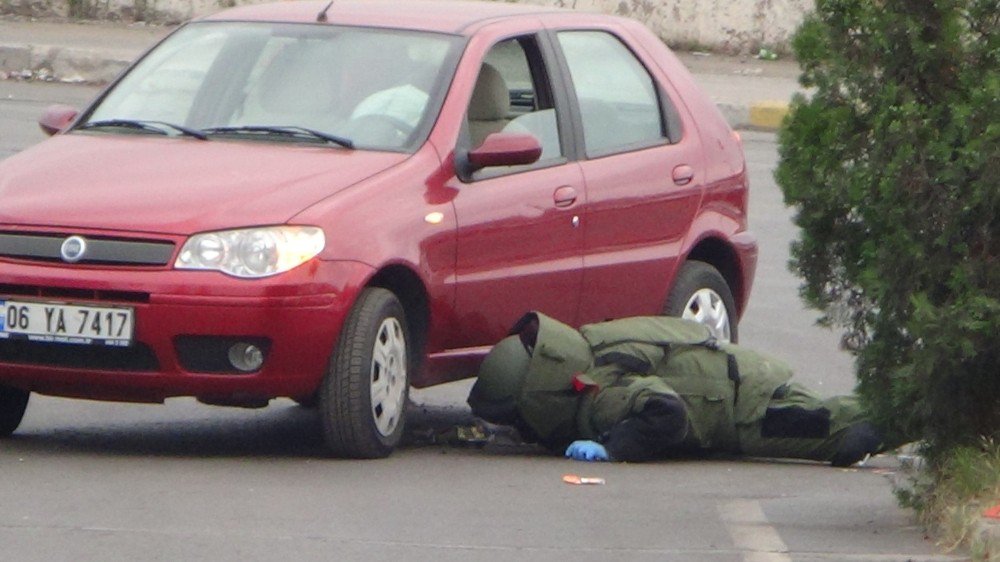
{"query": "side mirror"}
(57, 118)
(505, 149)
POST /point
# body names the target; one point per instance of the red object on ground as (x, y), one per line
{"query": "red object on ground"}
(993, 512)
(584, 480)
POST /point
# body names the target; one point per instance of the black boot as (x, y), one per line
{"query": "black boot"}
(859, 440)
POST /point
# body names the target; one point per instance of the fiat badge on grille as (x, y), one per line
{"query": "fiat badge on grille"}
(73, 249)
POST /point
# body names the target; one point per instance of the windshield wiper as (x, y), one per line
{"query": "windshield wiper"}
(285, 130)
(154, 126)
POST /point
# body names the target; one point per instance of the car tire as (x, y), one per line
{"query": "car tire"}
(13, 403)
(700, 293)
(362, 399)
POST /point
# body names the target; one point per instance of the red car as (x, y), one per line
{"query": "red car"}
(331, 202)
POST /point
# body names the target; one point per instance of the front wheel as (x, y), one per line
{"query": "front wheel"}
(363, 396)
(700, 293)
(13, 403)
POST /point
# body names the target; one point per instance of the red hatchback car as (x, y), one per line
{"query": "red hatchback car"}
(331, 202)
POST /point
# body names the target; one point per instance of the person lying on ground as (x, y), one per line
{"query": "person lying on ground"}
(642, 388)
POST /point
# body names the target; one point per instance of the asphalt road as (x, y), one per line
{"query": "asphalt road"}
(98, 481)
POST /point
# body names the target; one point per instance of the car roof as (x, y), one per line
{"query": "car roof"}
(456, 17)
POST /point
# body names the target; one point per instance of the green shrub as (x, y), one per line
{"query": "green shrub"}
(893, 167)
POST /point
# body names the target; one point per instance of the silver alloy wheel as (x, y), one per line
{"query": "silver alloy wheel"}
(706, 307)
(388, 376)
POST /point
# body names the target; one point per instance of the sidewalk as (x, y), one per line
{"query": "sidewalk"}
(750, 93)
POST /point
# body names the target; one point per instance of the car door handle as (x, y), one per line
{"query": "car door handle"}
(683, 174)
(564, 196)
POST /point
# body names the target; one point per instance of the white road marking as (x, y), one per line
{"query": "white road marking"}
(758, 541)
(752, 533)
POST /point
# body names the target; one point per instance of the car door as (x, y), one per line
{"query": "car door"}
(643, 176)
(519, 241)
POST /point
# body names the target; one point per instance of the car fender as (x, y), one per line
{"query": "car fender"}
(720, 239)
(402, 217)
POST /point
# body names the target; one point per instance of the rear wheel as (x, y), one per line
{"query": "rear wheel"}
(363, 396)
(700, 293)
(13, 403)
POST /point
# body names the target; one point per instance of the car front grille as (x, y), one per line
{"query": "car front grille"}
(8, 290)
(138, 357)
(95, 250)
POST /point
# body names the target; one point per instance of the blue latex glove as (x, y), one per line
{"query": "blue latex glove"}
(587, 451)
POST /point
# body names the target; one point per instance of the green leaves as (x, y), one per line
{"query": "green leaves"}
(893, 167)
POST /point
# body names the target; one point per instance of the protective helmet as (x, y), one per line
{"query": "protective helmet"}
(501, 377)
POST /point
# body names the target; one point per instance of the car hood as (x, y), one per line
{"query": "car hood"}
(173, 185)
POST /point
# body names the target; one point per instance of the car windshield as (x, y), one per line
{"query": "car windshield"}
(347, 87)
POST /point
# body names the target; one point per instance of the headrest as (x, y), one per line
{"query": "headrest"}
(490, 99)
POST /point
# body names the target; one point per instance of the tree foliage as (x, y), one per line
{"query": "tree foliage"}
(893, 166)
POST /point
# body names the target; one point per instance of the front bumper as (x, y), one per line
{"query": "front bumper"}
(181, 319)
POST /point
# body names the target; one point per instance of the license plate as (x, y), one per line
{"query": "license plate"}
(67, 323)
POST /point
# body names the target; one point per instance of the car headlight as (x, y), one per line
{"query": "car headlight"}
(252, 252)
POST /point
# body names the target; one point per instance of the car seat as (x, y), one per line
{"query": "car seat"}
(489, 110)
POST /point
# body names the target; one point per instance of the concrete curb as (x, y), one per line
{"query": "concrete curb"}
(99, 66)
(768, 115)
(983, 535)
(758, 116)
(985, 542)
(61, 64)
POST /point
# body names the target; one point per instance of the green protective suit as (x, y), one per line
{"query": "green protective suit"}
(648, 386)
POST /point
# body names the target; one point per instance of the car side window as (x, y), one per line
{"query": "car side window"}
(512, 94)
(620, 106)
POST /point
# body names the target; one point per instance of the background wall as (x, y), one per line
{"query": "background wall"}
(721, 25)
